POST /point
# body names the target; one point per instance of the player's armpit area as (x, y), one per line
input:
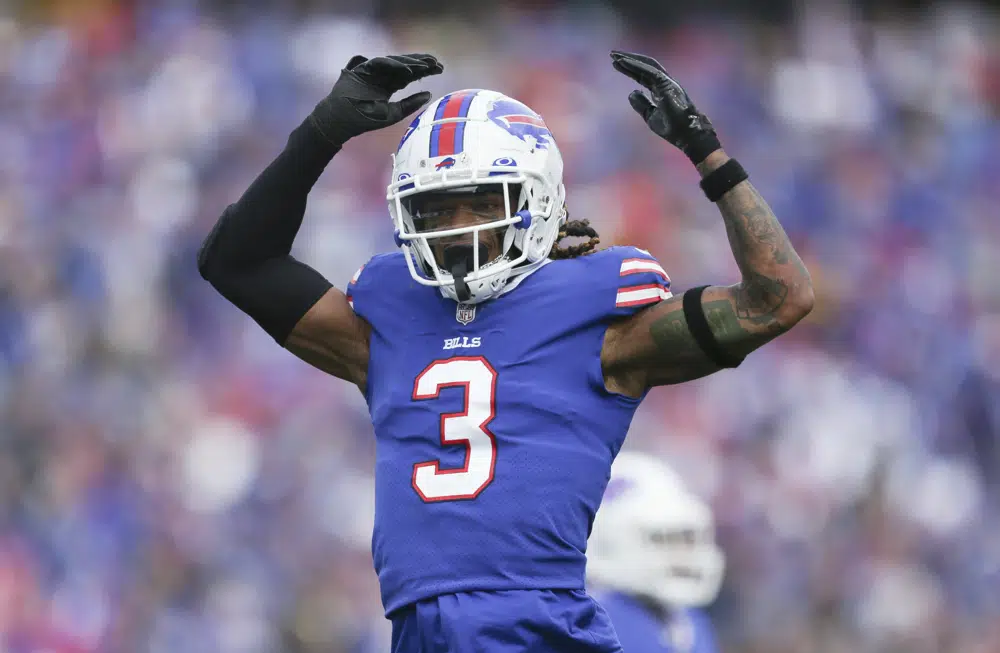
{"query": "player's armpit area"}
(655, 346)
(333, 338)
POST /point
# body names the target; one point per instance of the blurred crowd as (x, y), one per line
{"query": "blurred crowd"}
(171, 480)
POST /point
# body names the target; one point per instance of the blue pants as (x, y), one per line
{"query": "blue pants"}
(512, 621)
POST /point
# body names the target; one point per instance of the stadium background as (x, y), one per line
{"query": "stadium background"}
(170, 480)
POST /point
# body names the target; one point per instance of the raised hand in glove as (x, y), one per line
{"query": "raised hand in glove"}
(671, 114)
(359, 101)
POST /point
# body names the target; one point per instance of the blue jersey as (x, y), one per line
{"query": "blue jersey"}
(495, 433)
(640, 630)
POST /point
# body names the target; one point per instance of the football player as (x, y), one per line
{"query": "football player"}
(653, 560)
(501, 369)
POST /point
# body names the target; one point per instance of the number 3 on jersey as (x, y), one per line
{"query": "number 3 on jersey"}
(469, 427)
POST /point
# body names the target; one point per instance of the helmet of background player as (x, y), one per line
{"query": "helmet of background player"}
(477, 142)
(653, 538)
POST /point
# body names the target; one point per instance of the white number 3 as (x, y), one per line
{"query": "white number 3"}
(469, 427)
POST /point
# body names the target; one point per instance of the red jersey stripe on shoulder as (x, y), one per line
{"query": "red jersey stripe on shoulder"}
(644, 294)
(639, 265)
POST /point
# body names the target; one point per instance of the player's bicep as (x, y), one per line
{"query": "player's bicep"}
(657, 346)
(653, 347)
(333, 338)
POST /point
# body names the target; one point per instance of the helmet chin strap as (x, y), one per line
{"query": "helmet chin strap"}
(459, 259)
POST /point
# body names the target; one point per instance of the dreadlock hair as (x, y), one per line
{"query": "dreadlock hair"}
(575, 229)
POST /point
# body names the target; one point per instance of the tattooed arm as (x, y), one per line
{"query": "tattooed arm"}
(655, 346)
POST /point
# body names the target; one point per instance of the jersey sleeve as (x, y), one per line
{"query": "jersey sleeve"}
(353, 285)
(374, 292)
(361, 290)
(641, 281)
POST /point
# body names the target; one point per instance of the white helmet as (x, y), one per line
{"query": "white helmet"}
(466, 141)
(654, 538)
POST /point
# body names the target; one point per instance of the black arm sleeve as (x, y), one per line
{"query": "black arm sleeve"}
(246, 256)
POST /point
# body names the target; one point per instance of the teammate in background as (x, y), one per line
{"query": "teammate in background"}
(652, 560)
(501, 369)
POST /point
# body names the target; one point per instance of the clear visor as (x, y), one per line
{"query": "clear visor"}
(475, 216)
(459, 207)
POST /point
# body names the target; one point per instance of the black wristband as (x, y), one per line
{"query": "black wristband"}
(697, 323)
(699, 148)
(722, 180)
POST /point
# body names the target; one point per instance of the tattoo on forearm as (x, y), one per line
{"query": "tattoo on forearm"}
(743, 317)
(770, 266)
(759, 297)
(755, 310)
(763, 228)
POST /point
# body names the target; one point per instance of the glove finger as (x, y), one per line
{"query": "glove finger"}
(395, 72)
(384, 65)
(355, 61)
(428, 59)
(662, 86)
(638, 72)
(432, 61)
(420, 65)
(420, 73)
(669, 89)
(406, 106)
(650, 72)
(641, 58)
(666, 86)
(641, 104)
(408, 60)
(385, 73)
(411, 68)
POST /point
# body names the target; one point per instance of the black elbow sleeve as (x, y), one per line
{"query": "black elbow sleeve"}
(215, 253)
(246, 256)
(276, 292)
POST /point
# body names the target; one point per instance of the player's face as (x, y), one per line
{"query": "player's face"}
(442, 212)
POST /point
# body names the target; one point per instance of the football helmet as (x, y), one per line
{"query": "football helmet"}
(653, 538)
(474, 142)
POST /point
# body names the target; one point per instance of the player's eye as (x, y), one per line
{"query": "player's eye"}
(433, 215)
(487, 207)
(433, 220)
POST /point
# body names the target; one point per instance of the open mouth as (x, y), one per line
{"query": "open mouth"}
(488, 243)
(459, 260)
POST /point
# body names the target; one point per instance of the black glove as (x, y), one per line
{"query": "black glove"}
(359, 101)
(671, 115)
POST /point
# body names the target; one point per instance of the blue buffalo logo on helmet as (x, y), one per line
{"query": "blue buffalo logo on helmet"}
(445, 163)
(520, 121)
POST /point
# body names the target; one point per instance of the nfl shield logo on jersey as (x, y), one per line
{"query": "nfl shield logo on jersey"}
(465, 313)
